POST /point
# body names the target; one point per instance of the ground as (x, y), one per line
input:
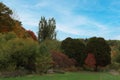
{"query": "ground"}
(69, 76)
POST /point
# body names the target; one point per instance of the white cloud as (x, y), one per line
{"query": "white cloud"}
(73, 24)
(28, 20)
(81, 25)
(66, 29)
(67, 21)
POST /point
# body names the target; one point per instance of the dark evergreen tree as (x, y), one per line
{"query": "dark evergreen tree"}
(74, 48)
(101, 51)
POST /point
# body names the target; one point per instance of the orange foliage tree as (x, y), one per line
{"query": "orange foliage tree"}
(31, 33)
(6, 22)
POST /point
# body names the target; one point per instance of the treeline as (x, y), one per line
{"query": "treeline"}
(21, 52)
(92, 52)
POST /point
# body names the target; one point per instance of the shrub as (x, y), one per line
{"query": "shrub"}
(43, 59)
(24, 54)
(52, 45)
(60, 60)
(114, 65)
(71, 69)
(5, 50)
(117, 58)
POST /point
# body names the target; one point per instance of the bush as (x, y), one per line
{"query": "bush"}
(23, 54)
(17, 53)
(5, 50)
(60, 60)
(117, 58)
(52, 45)
(115, 66)
(13, 73)
(43, 59)
(31, 56)
(71, 69)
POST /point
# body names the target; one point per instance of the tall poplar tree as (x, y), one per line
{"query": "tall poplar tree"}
(46, 29)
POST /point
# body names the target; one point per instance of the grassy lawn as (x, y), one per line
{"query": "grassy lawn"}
(69, 76)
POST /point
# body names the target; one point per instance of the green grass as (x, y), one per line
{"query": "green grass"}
(69, 76)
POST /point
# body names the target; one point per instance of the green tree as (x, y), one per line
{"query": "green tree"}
(18, 53)
(52, 45)
(43, 59)
(23, 53)
(46, 29)
(5, 52)
(74, 48)
(101, 51)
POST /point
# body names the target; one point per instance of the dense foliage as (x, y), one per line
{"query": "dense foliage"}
(43, 59)
(75, 49)
(17, 53)
(100, 49)
(5, 18)
(7, 23)
(52, 45)
(60, 60)
(31, 33)
(90, 60)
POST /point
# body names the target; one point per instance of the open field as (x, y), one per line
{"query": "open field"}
(69, 76)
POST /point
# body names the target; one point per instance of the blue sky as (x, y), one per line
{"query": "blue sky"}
(74, 18)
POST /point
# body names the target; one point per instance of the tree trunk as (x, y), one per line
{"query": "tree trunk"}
(96, 68)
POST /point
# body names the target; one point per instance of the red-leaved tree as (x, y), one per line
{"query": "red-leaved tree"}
(90, 60)
(60, 60)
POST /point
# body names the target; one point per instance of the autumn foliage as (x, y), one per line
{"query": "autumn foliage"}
(60, 60)
(9, 24)
(90, 60)
(20, 31)
(31, 33)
